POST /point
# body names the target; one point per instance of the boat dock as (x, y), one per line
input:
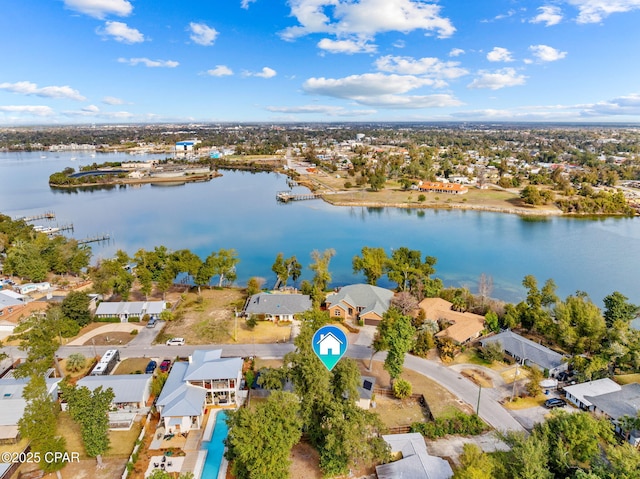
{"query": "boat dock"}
(286, 196)
(95, 239)
(48, 215)
(52, 230)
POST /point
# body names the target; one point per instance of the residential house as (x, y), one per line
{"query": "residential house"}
(12, 405)
(441, 187)
(131, 391)
(10, 302)
(617, 404)
(206, 380)
(277, 307)
(365, 391)
(416, 463)
(529, 353)
(129, 309)
(463, 327)
(359, 302)
(580, 394)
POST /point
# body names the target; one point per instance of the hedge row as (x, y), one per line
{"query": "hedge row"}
(460, 423)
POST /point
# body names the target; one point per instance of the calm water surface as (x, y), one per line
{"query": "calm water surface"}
(239, 210)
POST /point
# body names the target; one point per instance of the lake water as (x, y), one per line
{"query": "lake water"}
(239, 210)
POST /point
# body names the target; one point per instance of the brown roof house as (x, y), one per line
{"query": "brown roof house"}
(359, 302)
(463, 326)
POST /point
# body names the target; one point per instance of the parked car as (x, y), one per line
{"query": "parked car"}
(176, 342)
(151, 367)
(152, 322)
(165, 365)
(554, 402)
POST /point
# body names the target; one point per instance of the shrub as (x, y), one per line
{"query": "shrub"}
(348, 184)
(402, 388)
(111, 319)
(75, 362)
(460, 423)
(249, 378)
(422, 198)
(134, 332)
(252, 321)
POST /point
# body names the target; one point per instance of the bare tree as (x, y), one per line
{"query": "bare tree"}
(485, 287)
(405, 302)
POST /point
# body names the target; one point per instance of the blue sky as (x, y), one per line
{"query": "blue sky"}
(125, 61)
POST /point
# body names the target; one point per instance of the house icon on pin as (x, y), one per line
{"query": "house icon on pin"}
(329, 345)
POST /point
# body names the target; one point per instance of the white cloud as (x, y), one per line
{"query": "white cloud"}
(456, 52)
(379, 89)
(112, 100)
(624, 105)
(149, 63)
(245, 3)
(37, 110)
(501, 16)
(346, 46)
(100, 8)
(29, 88)
(549, 15)
(498, 79)
(545, 53)
(399, 43)
(121, 32)
(429, 67)
(366, 17)
(93, 111)
(202, 34)
(593, 11)
(220, 71)
(266, 72)
(499, 54)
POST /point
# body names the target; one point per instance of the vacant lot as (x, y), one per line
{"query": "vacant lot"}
(395, 412)
(114, 338)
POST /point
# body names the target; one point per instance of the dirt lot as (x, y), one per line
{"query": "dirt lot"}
(211, 320)
(114, 338)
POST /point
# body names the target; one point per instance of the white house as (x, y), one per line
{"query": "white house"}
(329, 345)
(207, 380)
(129, 309)
(578, 393)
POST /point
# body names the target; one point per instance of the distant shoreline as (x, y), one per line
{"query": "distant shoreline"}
(140, 181)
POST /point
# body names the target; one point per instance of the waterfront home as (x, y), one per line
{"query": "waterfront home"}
(415, 461)
(129, 309)
(616, 405)
(529, 353)
(580, 394)
(12, 405)
(462, 327)
(277, 307)
(359, 302)
(205, 380)
(441, 187)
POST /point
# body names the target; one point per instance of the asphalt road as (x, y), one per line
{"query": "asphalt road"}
(490, 409)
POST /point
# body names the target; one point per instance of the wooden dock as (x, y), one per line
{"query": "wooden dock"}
(48, 215)
(95, 239)
(286, 196)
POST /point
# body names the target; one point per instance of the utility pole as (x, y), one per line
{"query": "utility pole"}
(478, 406)
(515, 378)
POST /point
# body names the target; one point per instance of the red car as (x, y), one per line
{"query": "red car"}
(165, 365)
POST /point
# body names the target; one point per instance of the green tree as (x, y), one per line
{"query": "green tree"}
(398, 334)
(89, 409)
(371, 263)
(75, 362)
(223, 264)
(528, 458)
(533, 385)
(618, 308)
(492, 322)
(320, 267)
(254, 285)
(580, 325)
(75, 306)
(620, 462)
(280, 269)
(38, 424)
(474, 464)
(260, 440)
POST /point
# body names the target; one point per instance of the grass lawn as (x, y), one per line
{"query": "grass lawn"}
(394, 412)
(627, 378)
(79, 374)
(509, 375)
(526, 403)
(121, 442)
(267, 363)
(132, 366)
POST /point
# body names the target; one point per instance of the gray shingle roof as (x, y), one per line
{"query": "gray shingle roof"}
(127, 388)
(275, 304)
(618, 403)
(135, 308)
(416, 463)
(526, 349)
(370, 298)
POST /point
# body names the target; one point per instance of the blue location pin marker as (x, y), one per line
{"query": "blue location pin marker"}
(329, 343)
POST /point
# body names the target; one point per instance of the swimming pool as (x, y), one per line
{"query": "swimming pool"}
(215, 447)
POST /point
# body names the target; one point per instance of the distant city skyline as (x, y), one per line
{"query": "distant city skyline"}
(127, 61)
